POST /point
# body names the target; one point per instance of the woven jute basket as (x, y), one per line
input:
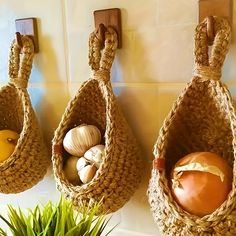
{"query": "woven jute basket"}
(202, 119)
(28, 163)
(95, 104)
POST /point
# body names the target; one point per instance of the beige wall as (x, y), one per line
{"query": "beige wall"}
(148, 74)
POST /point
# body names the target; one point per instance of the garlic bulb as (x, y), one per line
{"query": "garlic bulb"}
(95, 154)
(70, 170)
(81, 163)
(79, 139)
(87, 173)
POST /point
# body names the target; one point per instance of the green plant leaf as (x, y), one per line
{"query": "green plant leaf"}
(18, 221)
(47, 228)
(36, 220)
(2, 232)
(55, 220)
(12, 228)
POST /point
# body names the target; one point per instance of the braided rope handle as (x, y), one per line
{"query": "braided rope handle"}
(210, 67)
(100, 60)
(20, 62)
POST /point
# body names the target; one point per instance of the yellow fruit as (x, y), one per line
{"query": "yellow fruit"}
(8, 140)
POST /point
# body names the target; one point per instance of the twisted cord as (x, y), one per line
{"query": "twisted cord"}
(210, 67)
(101, 60)
(20, 62)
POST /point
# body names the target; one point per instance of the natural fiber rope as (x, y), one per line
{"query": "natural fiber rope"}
(20, 67)
(202, 119)
(28, 163)
(205, 67)
(101, 63)
(120, 172)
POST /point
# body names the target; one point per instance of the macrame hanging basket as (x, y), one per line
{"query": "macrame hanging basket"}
(95, 104)
(28, 163)
(202, 119)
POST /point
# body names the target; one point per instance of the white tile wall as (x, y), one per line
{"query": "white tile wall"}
(148, 74)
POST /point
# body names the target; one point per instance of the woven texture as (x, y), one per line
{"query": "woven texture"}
(202, 119)
(120, 172)
(28, 163)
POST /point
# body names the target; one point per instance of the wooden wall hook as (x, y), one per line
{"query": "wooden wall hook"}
(109, 17)
(27, 26)
(222, 8)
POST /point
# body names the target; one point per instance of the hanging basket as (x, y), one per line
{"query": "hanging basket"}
(202, 119)
(29, 161)
(95, 104)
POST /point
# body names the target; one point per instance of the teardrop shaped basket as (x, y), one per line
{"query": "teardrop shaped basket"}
(202, 119)
(95, 104)
(28, 163)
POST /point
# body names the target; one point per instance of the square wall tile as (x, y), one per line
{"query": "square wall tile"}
(154, 55)
(169, 56)
(79, 14)
(49, 63)
(78, 60)
(180, 12)
(49, 104)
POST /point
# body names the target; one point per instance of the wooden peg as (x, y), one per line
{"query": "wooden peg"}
(210, 29)
(18, 39)
(100, 32)
(27, 26)
(109, 17)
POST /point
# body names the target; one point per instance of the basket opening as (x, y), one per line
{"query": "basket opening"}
(89, 108)
(200, 123)
(11, 110)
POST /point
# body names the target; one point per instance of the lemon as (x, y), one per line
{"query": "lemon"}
(8, 140)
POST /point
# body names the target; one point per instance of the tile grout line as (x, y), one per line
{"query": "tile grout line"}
(147, 85)
(65, 41)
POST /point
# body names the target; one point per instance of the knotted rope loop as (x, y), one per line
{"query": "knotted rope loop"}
(100, 59)
(102, 74)
(20, 62)
(207, 72)
(210, 67)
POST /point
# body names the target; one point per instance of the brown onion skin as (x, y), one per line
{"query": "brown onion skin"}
(202, 192)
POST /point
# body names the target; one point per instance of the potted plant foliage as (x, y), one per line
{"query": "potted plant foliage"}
(55, 220)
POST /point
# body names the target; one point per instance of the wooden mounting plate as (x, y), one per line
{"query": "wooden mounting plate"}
(221, 8)
(109, 17)
(28, 26)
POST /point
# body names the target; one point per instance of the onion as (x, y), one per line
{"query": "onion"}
(201, 182)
